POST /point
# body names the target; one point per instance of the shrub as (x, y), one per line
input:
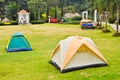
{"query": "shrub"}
(1, 24)
(70, 21)
(119, 20)
(44, 16)
(77, 18)
(111, 20)
(73, 22)
(14, 22)
(66, 20)
(116, 34)
(6, 23)
(76, 22)
(38, 22)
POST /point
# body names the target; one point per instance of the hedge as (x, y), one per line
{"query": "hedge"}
(38, 22)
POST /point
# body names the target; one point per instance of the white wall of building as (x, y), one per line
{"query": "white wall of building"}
(23, 19)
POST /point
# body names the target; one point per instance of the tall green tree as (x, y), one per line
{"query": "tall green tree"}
(10, 10)
(107, 2)
(55, 12)
(69, 9)
(53, 3)
(62, 7)
(117, 16)
(1, 8)
(37, 7)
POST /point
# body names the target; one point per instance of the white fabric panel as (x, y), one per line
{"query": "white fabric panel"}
(82, 59)
(89, 40)
(60, 53)
(64, 44)
(56, 58)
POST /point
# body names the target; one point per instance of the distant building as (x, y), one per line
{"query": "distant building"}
(23, 17)
(5, 20)
(71, 15)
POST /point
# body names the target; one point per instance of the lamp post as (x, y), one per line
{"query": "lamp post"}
(49, 18)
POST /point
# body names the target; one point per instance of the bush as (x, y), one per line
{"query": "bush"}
(76, 22)
(44, 16)
(14, 22)
(1, 23)
(6, 23)
(119, 20)
(9, 23)
(111, 20)
(66, 20)
(116, 34)
(38, 22)
(77, 18)
(73, 22)
(70, 21)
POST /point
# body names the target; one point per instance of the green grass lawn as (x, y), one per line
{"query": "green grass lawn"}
(33, 65)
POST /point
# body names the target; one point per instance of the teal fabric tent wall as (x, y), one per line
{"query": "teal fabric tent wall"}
(18, 43)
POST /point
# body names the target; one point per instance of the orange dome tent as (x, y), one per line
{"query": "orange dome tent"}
(76, 53)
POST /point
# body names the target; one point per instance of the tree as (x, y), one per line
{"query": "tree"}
(1, 8)
(106, 14)
(55, 12)
(47, 10)
(54, 4)
(24, 5)
(10, 10)
(62, 6)
(71, 9)
(37, 7)
(117, 16)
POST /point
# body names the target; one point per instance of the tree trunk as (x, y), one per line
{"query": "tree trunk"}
(117, 18)
(47, 11)
(38, 15)
(106, 15)
(55, 12)
(62, 5)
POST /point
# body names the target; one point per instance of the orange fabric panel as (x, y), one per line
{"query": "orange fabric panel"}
(73, 47)
(95, 50)
(78, 44)
(57, 47)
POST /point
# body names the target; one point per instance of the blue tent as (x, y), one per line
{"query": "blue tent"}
(18, 43)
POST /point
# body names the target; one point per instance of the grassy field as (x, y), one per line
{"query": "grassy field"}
(33, 65)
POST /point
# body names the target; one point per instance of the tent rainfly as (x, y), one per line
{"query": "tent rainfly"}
(18, 43)
(76, 53)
